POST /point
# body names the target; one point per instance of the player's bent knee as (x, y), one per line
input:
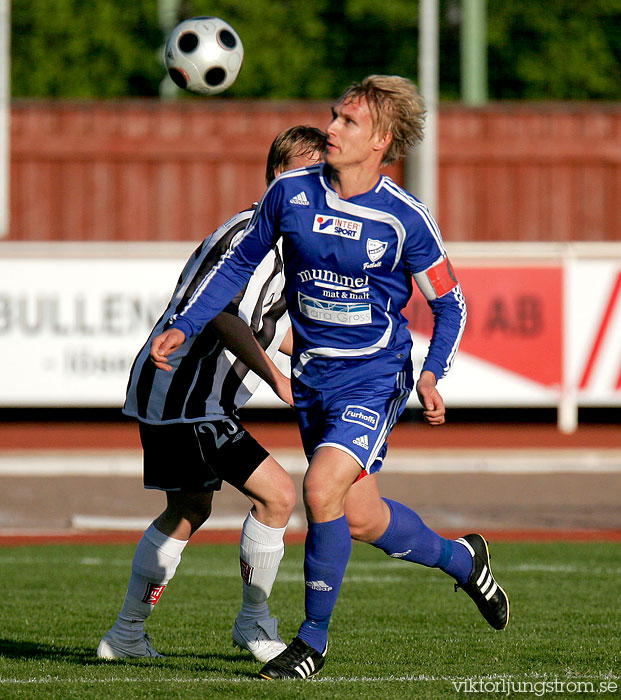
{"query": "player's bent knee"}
(199, 515)
(361, 532)
(288, 497)
(322, 504)
(271, 490)
(193, 506)
(278, 507)
(196, 516)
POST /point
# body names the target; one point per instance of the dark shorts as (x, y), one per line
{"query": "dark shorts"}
(198, 456)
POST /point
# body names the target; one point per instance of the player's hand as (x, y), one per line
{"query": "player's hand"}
(430, 399)
(282, 388)
(163, 345)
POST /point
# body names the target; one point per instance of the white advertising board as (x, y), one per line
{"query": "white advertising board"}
(538, 333)
(70, 328)
(593, 334)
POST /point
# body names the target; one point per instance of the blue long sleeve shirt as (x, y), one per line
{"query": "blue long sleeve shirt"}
(349, 265)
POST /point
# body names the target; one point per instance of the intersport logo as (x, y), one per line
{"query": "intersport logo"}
(335, 226)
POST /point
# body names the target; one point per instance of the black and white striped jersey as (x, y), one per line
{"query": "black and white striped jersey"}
(207, 381)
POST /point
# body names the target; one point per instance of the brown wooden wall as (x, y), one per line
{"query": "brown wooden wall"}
(139, 170)
(530, 173)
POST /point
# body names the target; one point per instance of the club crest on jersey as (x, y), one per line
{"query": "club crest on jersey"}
(375, 249)
(335, 226)
(362, 416)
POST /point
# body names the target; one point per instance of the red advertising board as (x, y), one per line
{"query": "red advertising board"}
(514, 319)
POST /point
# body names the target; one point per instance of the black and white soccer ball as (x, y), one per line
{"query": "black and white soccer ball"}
(204, 55)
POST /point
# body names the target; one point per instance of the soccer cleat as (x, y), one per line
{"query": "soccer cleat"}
(111, 647)
(298, 660)
(259, 637)
(490, 599)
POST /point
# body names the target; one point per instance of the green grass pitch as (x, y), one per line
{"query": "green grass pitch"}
(398, 632)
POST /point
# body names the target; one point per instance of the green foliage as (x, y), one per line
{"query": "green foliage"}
(561, 49)
(376, 37)
(399, 632)
(284, 46)
(73, 48)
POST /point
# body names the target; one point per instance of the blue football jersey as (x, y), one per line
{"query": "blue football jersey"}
(349, 265)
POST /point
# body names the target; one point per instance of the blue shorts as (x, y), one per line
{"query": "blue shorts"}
(356, 418)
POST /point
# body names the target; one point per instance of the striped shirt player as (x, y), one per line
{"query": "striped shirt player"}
(348, 267)
(193, 440)
(207, 381)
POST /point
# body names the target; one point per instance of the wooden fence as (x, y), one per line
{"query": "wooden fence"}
(152, 171)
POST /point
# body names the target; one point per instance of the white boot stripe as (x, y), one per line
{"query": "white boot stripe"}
(482, 576)
(301, 671)
(491, 591)
(487, 584)
(467, 545)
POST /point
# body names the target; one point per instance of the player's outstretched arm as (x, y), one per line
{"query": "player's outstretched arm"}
(163, 345)
(286, 347)
(238, 338)
(430, 398)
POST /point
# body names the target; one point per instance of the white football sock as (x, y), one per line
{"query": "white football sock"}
(155, 562)
(261, 549)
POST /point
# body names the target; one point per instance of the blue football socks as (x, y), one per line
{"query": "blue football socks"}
(407, 537)
(328, 547)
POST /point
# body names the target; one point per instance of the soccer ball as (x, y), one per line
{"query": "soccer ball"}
(204, 55)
